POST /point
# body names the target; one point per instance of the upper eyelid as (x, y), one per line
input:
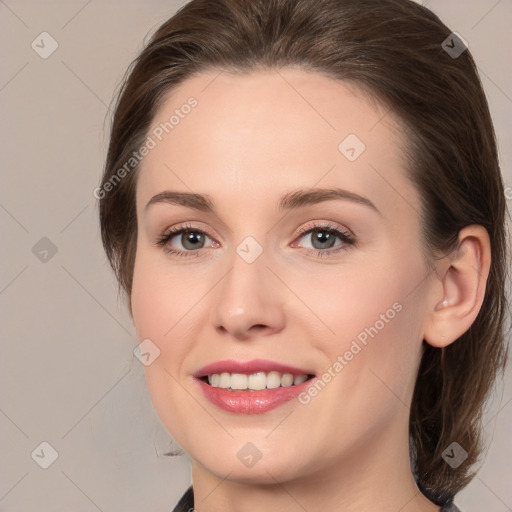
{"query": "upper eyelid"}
(326, 225)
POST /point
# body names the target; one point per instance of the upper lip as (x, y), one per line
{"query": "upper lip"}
(248, 367)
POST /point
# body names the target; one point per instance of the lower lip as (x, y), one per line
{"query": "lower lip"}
(251, 402)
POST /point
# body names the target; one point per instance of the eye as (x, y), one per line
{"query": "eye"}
(323, 239)
(191, 239)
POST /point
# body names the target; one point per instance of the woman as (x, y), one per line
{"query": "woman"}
(303, 203)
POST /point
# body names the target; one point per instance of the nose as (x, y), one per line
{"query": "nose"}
(249, 301)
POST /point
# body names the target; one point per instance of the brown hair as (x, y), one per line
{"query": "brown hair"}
(392, 49)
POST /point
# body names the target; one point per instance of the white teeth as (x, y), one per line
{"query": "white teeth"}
(299, 379)
(238, 381)
(255, 381)
(273, 380)
(224, 380)
(287, 379)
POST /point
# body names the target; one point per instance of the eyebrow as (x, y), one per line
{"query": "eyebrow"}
(290, 201)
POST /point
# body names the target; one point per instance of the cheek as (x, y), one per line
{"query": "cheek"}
(375, 319)
(372, 358)
(157, 309)
(159, 298)
(352, 300)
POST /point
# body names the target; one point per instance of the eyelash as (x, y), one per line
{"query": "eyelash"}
(346, 238)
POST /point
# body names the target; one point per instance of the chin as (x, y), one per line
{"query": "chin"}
(261, 473)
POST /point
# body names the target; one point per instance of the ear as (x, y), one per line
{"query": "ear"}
(457, 295)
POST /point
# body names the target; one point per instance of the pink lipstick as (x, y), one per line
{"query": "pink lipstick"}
(251, 387)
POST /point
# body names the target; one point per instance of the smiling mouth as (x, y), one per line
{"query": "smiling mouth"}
(255, 381)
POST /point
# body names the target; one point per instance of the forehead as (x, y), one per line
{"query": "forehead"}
(270, 131)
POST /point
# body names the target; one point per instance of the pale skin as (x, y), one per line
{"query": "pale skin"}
(251, 139)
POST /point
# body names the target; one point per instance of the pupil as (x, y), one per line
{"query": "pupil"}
(324, 238)
(191, 237)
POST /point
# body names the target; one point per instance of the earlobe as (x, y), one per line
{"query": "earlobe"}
(457, 301)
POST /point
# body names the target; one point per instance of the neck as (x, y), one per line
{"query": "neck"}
(374, 476)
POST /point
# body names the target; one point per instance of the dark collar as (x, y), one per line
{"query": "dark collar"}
(186, 503)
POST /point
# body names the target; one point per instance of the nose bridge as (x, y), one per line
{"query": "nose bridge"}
(247, 296)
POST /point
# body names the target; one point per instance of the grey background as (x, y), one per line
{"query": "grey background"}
(68, 375)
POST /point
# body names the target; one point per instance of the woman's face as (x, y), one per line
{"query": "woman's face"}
(264, 275)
